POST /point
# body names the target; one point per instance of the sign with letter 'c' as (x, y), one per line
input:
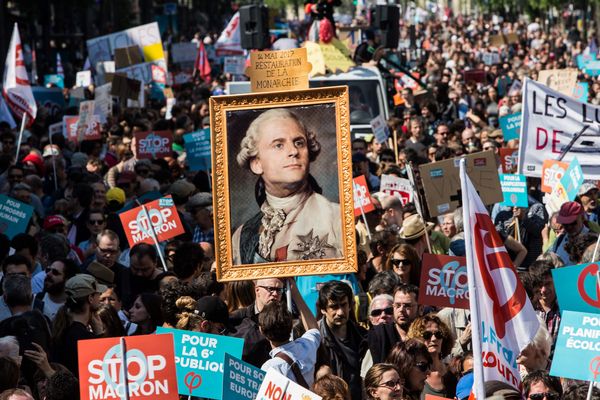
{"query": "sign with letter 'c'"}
(577, 352)
(153, 144)
(160, 218)
(444, 281)
(150, 368)
(362, 197)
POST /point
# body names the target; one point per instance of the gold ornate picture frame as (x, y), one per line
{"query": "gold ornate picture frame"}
(239, 202)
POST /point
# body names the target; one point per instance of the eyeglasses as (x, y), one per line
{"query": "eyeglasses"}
(273, 289)
(107, 251)
(53, 271)
(391, 384)
(545, 395)
(427, 335)
(422, 366)
(96, 221)
(377, 313)
(400, 261)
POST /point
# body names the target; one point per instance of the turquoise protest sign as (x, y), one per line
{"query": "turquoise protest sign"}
(56, 80)
(50, 98)
(577, 352)
(581, 92)
(592, 68)
(577, 288)
(241, 380)
(511, 126)
(584, 59)
(199, 358)
(572, 179)
(197, 148)
(514, 190)
(14, 216)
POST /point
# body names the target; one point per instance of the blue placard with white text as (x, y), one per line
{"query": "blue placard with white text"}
(241, 380)
(511, 126)
(197, 148)
(584, 59)
(14, 216)
(577, 351)
(199, 359)
(514, 190)
(572, 179)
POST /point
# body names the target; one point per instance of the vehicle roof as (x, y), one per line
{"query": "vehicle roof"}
(354, 73)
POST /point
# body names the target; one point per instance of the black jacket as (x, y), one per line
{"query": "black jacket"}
(381, 340)
(344, 358)
(256, 346)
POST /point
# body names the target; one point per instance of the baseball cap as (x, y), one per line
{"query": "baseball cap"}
(52, 221)
(568, 212)
(51, 150)
(102, 274)
(82, 285)
(213, 309)
(586, 187)
(115, 194)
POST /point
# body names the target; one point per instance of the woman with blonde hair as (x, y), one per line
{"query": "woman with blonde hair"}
(404, 261)
(438, 339)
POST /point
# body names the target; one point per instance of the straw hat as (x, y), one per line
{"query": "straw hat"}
(413, 227)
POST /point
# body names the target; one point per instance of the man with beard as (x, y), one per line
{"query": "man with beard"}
(142, 273)
(53, 297)
(384, 336)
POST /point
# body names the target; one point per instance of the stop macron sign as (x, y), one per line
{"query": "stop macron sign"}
(150, 368)
(160, 216)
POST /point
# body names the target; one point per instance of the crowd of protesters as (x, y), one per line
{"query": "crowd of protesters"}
(71, 275)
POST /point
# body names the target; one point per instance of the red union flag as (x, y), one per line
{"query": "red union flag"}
(503, 319)
(15, 85)
(159, 218)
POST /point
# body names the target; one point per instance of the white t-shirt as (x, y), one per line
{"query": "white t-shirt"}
(303, 351)
(50, 307)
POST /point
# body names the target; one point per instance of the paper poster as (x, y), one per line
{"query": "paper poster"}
(83, 78)
(572, 179)
(552, 173)
(150, 368)
(561, 80)
(508, 159)
(200, 359)
(441, 181)
(397, 187)
(164, 222)
(577, 288)
(557, 127)
(380, 129)
(234, 65)
(54, 79)
(153, 144)
(104, 102)
(14, 216)
(362, 197)
(278, 70)
(278, 387)
(87, 128)
(241, 380)
(197, 148)
(444, 281)
(511, 126)
(184, 53)
(577, 350)
(584, 59)
(514, 190)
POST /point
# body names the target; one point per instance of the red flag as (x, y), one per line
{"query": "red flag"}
(16, 88)
(202, 65)
(502, 317)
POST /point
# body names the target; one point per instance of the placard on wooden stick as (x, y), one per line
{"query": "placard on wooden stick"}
(271, 71)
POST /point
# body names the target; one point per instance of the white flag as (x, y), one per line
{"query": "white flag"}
(502, 317)
(16, 88)
(59, 67)
(229, 42)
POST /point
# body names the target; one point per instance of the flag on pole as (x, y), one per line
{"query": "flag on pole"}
(5, 114)
(229, 42)
(16, 89)
(86, 65)
(502, 317)
(59, 67)
(202, 65)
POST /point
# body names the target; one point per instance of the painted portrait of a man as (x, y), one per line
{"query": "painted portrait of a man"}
(295, 220)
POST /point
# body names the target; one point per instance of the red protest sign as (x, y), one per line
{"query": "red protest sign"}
(552, 173)
(93, 132)
(475, 75)
(444, 281)
(432, 397)
(508, 158)
(153, 144)
(362, 196)
(159, 75)
(163, 218)
(150, 368)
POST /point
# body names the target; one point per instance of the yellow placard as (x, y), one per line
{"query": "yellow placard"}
(271, 71)
(335, 60)
(316, 59)
(153, 52)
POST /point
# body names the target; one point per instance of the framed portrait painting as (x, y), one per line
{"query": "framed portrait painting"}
(282, 184)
